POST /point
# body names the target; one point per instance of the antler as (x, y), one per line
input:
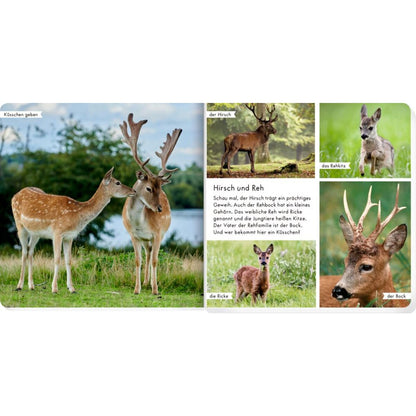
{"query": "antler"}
(358, 228)
(132, 140)
(261, 119)
(167, 149)
(381, 225)
(271, 113)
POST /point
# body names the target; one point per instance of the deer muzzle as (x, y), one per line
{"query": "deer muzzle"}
(339, 293)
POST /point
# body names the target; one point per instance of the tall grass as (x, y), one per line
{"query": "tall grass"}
(340, 139)
(292, 272)
(104, 279)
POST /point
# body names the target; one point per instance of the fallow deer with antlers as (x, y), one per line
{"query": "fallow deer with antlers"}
(367, 274)
(147, 215)
(250, 141)
(59, 218)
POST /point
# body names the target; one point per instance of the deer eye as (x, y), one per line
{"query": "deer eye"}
(370, 128)
(118, 183)
(366, 267)
(148, 189)
(361, 128)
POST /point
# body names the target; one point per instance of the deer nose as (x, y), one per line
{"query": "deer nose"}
(263, 263)
(364, 136)
(340, 293)
(159, 208)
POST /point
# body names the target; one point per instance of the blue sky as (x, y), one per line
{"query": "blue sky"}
(162, 118)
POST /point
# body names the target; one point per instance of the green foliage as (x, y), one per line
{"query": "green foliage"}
(292, 272)
(85, 155)
(340, 139)
(333, 247)
(295, 130)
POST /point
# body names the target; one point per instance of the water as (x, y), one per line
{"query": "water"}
(187, 223)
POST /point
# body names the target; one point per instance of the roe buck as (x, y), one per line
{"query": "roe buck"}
(375, 150)
(60, 218)
(367, 272)
(252, 280)
(146, 216)
(248, 142)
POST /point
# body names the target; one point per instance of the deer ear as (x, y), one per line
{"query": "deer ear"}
(395, 240)
(363, 111)
(346, 230)
(108, 176)
(377, 114)
(269, 249)
(256, 249)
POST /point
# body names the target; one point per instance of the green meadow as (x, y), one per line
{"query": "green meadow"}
(292, 272)
(340, 139)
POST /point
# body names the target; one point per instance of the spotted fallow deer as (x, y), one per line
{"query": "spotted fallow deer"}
(253, 280)
(367, 274)
(147, 215)
(250, 141)
(59, 218)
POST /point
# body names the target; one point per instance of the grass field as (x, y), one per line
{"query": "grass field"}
(292, 272)
(103, 279)
(264, 170)
(340, 139)
(333, 246)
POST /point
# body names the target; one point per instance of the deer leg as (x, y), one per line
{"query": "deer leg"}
(68, 257)
(251, 157)
(154, 258)
(23, 238)
(57, 247)
(238, 293)
(230, 157)
(138, 258)
(223, 160)
(147, 268)
(254, 297)
(32, 243)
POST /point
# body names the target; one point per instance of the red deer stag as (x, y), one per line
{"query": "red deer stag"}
(146, 216)
(248, 142)
(60, 218)
(253, 280)
(367, 272)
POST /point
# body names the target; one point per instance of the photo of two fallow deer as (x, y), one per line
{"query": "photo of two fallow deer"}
(367, 275)
(254, 281)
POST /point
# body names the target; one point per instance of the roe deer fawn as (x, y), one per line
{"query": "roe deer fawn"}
(252, 280)
(375, 150)
(250, 141)
(59, 218)
(367, 272)
(147, 216)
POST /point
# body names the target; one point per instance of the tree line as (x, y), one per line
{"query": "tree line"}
(84, 156)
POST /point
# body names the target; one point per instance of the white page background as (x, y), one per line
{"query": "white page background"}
(190, 362)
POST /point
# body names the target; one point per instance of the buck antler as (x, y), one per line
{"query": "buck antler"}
(358, 228)
(167, 149)
(132, 140)
(381, 225)
(253, 110)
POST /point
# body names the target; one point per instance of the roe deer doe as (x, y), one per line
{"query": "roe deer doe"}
(367, 272)
(59, 218)
(250, 141)
(375, 150)
(252, 280)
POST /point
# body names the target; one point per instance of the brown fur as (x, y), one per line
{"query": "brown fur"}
(252, 280)
(60, 218)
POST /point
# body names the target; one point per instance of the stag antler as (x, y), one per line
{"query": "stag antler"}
(261, 119)
(132, 140)
(358, 228)
(167, 149)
